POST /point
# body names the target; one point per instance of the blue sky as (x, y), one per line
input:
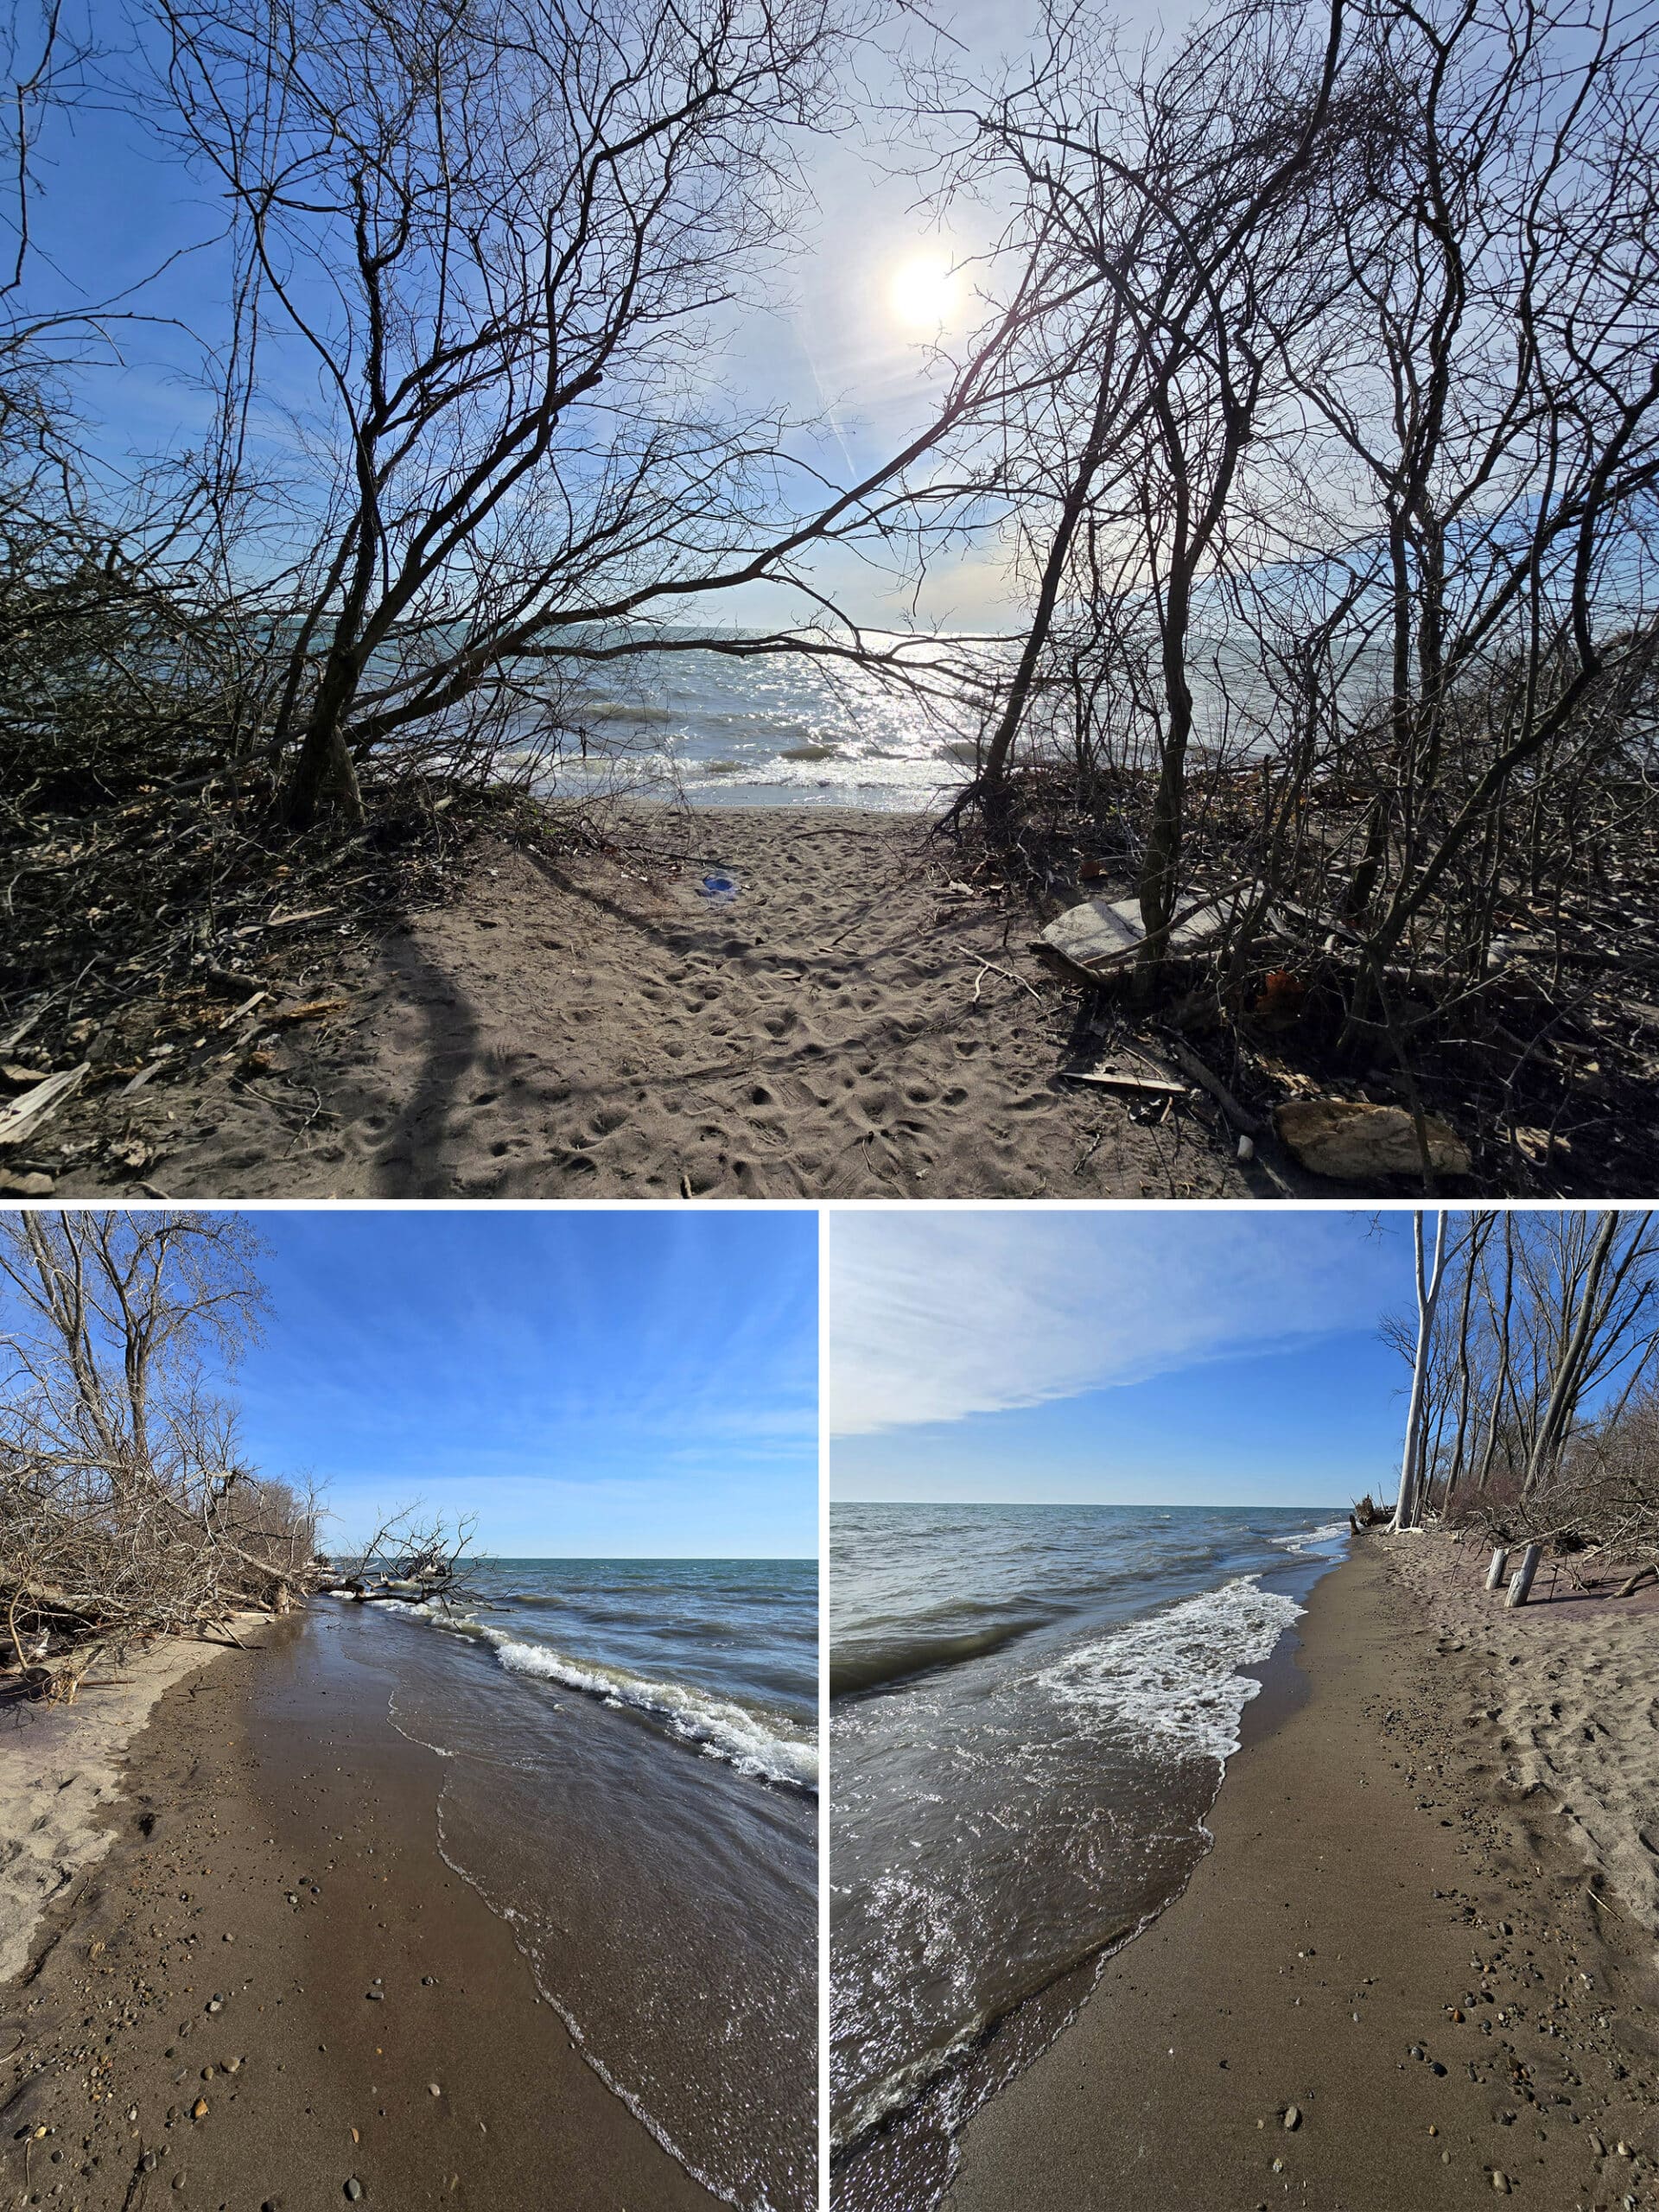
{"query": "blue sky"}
(1116, 1357)
(117, 204)
(588, 1384)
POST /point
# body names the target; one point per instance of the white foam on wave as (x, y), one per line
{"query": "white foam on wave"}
(1173, 1679)
(1309, 1539)
(720, 1728)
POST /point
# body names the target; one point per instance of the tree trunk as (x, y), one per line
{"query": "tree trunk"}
(1428, 1293)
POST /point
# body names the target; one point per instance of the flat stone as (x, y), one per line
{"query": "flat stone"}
(1352, 1142)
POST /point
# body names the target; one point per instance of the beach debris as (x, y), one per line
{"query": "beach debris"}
(1350, 1141)
(1103, 933)
(1278, 2165)
(720, 889)
(1113, 1079)
(23, 1115)
(1246, 1151)
(1521, 1580)
(310, 1010)
(1498, 1568)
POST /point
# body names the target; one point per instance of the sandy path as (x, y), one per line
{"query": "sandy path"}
(1393, 1933)
(850, 1026)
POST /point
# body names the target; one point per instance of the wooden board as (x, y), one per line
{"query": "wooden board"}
(1103, 932)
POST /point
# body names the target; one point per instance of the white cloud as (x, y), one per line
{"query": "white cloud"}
(937, 1315)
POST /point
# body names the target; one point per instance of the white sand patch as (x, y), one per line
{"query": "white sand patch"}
(59, 1763)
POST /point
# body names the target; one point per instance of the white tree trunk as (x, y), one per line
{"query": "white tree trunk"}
(1428, 1293)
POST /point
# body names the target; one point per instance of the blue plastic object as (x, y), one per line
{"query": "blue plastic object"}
(722, 887)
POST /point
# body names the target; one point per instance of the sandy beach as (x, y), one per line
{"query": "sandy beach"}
(1426, 1924)
(271, 1991)
(854, 1023)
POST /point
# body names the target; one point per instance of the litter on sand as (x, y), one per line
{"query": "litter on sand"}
(1101, 932)
(721, 888)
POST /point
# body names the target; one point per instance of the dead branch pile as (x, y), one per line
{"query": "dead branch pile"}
(127, 1510)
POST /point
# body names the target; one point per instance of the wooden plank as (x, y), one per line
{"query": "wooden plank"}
(1101, 933)
(19, 1120)
(1157, 1086)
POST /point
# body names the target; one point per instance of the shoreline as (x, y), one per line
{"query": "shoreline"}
(1375, 1869)
(905, 2158)
(272, 1932)
(857, 1022)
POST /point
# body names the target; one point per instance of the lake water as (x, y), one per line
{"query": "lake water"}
(1032, 1708)
(630, 1752)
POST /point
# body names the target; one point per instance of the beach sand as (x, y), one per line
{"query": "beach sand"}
(252, 1810)
(1450, 1807)
(853, 1024)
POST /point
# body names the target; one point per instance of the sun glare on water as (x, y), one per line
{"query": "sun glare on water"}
(922, 291)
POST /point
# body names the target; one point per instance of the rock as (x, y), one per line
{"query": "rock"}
(354, 2188)
(1350, 1142)
(1500, 2182)
(27, 1186)
(199, 2110)
(375, 1996)
(1278, 2165)
(433, 2090)
(232, 2065)
(1292, 2118)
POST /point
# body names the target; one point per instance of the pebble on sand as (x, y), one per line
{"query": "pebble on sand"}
(199, 2110)
(1500, 2182)
(433, 2090)
(1292, 2118)
(354, 2188)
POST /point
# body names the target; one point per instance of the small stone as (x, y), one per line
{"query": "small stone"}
(232, 2066)
(1500, 2182)
(27, 1186)
(1435, 2066)
(1278, 2165)
(199, 2110)
(1622, 2150)
(375, 1996)
(149, 2162)
(1292, 2118)
(433, 2090)
(354, 2188)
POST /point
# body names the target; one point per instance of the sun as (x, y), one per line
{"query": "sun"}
(922, 291)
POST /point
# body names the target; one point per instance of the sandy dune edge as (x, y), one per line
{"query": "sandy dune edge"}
(59, 1765)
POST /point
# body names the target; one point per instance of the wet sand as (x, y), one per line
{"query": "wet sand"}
(855, 1024)
(369, 2033)
(1413, 1833)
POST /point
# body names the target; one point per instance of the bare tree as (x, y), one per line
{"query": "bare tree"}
(1428, 1277)
(126, 1504)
